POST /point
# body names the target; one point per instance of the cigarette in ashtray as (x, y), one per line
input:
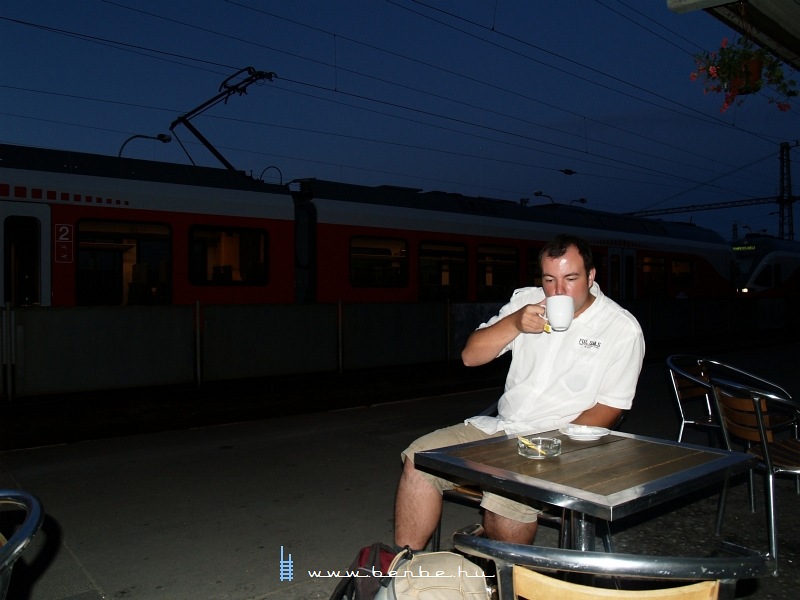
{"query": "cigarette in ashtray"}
(530, 444)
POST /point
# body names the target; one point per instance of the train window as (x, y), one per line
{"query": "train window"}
(442, 271)
(123, 263)
(654, 276)
(769, 276)
(22, 241)
(533, 268)
(227, 256)
(498, 272)
(682, 273)
(378, 262)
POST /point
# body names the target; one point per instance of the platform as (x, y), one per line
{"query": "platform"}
(209, 511)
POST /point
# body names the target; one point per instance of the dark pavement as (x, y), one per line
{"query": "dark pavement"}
(177, 506)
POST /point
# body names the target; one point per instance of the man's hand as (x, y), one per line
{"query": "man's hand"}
(530, 318)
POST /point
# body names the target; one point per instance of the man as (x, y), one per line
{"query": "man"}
(585, 375)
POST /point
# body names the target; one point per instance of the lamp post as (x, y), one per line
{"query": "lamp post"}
(540, 194)
(161, 137)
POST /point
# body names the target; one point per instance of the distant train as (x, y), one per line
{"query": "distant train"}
(767, 266)
(122, 272)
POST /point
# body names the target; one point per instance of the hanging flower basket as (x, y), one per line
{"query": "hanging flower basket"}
(748, 80)
(742, 68)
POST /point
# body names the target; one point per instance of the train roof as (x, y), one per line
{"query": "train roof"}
(98, 165)
(552, 213)
(765, 243)
(81, 163)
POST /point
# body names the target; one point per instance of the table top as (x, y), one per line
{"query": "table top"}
(609, 478)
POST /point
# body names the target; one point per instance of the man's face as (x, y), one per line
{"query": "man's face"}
(566, 275)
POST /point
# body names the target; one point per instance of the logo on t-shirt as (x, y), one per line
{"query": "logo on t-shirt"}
(589, 343)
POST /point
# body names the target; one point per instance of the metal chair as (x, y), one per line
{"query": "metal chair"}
(691, 388)
(752, 411)
(717, 575)
(11, 549)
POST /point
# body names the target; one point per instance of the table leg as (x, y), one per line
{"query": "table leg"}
(583, 531)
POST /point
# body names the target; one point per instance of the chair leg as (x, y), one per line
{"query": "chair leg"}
(436, 539)
(505, 581)
(772, 526)
(565, 533)
(727, 589)
(723, 496)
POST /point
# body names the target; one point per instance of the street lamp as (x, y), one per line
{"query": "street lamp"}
(161, 137)
(541, 194)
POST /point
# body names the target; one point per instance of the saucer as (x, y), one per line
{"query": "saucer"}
(584, 433)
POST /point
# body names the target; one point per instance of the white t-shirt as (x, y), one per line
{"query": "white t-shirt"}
(554, 377)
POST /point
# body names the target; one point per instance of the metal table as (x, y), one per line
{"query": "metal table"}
(608, 478)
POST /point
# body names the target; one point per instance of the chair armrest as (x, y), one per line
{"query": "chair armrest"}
(34, 517)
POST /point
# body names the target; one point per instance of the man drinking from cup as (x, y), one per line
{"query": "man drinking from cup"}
(577, 368)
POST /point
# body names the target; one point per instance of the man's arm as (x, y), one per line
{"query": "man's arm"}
(600, 415)
(621, 376)
(485, 344)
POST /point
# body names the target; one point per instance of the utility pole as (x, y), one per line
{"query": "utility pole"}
(785, 198)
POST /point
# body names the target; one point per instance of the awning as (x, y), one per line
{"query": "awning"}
(773, 24)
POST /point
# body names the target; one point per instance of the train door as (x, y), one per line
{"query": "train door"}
(25, 254)
(621, 279)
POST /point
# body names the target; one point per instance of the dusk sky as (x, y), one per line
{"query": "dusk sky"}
(481, 97)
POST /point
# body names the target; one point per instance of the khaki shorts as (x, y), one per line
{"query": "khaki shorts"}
(461, 434)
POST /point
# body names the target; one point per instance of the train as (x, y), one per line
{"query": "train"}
(767, 266)
(172, 273)
(86, 230)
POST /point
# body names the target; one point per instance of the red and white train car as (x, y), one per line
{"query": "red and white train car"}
(90, 230)
(171, 274)
(83, 229)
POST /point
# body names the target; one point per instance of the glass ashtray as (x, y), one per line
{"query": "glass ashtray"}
(531, 446)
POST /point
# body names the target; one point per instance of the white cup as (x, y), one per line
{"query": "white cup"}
(559, 311)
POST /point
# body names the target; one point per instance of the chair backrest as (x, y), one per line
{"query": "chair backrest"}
(690, 386)
(722, 569)
(745, 403)
(688, 375)
(533, 585)
(742, 416)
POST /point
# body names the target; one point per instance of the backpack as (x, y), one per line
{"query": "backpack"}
(378, 573)
(365, 573)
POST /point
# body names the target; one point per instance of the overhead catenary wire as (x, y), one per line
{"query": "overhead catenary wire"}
(432, 115)
(153, 15)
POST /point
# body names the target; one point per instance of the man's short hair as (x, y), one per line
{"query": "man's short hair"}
(558, 247)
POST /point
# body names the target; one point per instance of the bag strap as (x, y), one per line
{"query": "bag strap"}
(406, 552)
